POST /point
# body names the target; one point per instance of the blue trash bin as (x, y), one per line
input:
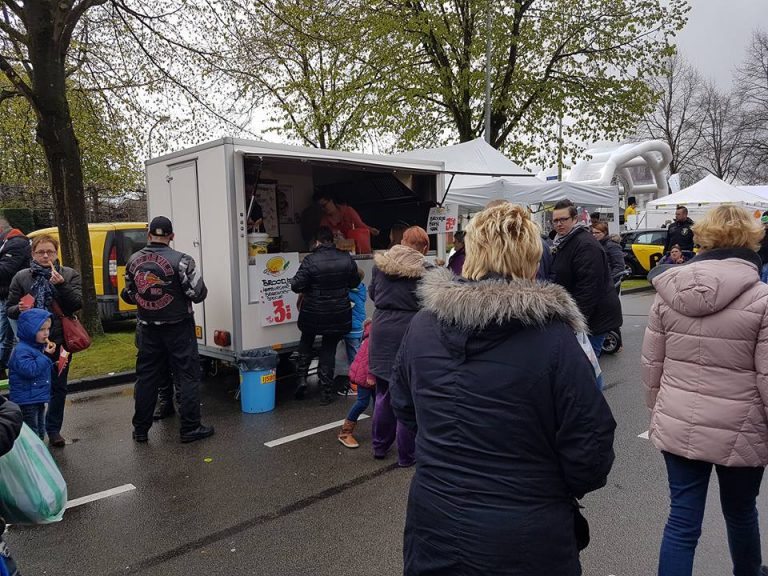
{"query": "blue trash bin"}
(257, 391)
(257, 380)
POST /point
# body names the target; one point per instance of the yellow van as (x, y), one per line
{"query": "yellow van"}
(112, 243)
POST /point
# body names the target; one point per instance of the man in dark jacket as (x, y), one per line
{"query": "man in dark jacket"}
(324, 279)
(164, 283)
(680, 232)
(14, 256)
(580, 265)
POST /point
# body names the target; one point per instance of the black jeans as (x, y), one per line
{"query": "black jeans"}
(327, 351)
(162, 348)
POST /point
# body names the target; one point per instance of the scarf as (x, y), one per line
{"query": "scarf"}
(41, 289)
(563, 239)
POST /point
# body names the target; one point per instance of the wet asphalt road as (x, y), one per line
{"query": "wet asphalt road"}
(231, 506)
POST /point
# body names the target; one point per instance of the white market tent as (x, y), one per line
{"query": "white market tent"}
(709, 191)
(699, 198)
(761, 191)
(480, 174)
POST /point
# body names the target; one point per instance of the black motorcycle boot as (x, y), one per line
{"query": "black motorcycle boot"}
(327, 391)
(302, 369)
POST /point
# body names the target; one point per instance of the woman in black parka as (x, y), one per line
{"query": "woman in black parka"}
(396, 274)
(324, 279)
(510, 425)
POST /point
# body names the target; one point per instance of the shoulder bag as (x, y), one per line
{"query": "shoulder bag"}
(76, 337)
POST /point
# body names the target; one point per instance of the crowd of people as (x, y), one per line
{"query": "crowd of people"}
(484, 373)
(480, 379)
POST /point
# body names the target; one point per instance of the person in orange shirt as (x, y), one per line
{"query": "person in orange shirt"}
(341, 219)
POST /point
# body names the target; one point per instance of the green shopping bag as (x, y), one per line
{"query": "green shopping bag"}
(32, 490)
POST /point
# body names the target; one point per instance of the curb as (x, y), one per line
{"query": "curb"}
(105, 381)
(638, 290)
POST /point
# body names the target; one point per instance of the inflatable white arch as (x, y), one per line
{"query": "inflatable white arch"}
(605, 163)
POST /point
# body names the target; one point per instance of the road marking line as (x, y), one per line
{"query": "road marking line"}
(100, 495)
(644, 435)
(310, 432)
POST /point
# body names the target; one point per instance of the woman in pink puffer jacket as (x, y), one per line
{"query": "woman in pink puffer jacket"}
(705, 369)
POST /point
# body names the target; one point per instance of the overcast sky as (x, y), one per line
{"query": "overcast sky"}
(718, 32)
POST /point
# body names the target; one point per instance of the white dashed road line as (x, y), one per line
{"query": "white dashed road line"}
(100, 495)
(310, 432)
(644, 435)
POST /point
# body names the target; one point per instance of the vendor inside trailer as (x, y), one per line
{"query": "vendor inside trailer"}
(360, 203)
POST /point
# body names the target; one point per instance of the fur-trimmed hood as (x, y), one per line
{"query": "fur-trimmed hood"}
(401, 261)
(471, 305)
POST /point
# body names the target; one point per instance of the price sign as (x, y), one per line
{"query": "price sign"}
(443, 219)
(277, 303)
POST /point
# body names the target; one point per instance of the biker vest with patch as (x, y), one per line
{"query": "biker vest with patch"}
(159, 293)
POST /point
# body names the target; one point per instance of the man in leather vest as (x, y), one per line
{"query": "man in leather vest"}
(164, 283)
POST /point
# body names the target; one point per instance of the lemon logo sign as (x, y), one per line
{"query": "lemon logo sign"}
(276, 265)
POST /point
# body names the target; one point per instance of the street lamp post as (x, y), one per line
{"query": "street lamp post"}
(160, 120)
(488, 49)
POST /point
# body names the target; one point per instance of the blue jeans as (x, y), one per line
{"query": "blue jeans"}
(6, 337)
(55, 416)
(353, 345)
(34, 417)
(688, 483)
(597, 346)
(364, 397)
(764, 273)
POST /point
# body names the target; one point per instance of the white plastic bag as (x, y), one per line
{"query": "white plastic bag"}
(586, 345)
(32, 489)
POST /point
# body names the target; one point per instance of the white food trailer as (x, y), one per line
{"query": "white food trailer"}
(205, 191)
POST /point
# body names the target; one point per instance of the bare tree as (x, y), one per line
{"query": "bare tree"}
(722, 148)
(752, 87)
(679, 115)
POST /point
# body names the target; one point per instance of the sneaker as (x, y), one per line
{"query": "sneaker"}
(140, 437)
(198, 433)
(56, 439)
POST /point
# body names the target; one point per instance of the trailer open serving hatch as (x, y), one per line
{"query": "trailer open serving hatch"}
(206, 192)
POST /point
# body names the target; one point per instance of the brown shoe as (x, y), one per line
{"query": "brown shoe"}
(345, 435)
(56, 439)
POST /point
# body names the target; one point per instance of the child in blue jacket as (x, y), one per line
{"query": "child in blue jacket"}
(30, 369)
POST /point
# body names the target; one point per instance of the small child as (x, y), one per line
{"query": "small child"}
(352, 341)
(30, 369)
(366, 382)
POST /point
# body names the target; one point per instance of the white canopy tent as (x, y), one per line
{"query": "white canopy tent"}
(708, 192)
(761, 191)
(480, 174)
(701, 197)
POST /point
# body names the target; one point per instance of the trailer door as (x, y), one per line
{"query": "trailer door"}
(185, 215)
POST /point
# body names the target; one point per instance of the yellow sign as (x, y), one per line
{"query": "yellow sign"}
(199, 332)
(268, 378)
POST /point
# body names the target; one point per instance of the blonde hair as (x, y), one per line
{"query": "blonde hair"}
(728, 226)
(502, 240)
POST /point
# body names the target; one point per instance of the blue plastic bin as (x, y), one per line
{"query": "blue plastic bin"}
(257, 380)
(257, 391)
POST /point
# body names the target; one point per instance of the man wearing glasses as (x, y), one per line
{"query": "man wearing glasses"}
(14, 256)
(580, 265)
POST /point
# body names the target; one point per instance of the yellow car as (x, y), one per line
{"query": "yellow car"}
(112, 243)
(643, 249)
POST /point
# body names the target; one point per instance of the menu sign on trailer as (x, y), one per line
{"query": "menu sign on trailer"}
(443, 219)
(277, 302)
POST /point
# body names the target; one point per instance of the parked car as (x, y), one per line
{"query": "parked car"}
(112, 243)
(643, 249)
